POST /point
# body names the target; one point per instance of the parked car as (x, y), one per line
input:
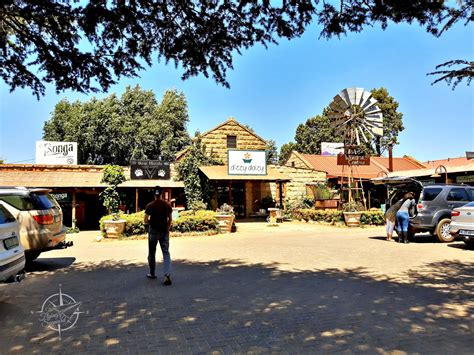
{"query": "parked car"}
(12, 256)
(462, 223)
(435, 203)
(40, 218)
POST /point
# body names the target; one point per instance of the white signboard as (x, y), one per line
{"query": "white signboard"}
(57, 153)
(331, 148)
(247, 162)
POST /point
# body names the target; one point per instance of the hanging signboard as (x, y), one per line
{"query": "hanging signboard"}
(464, 179)
(247, 162)
(331, 149)
(353, 159)
(149, 170)
(57, 153)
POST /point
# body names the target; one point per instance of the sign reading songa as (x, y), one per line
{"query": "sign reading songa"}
(247, 162)
(58, 153)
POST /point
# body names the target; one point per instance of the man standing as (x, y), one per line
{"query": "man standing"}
(158, 220)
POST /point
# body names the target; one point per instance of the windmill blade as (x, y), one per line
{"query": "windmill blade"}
(357, 136)
(363, 134)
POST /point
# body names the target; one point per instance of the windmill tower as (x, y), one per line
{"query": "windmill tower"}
(356, 117)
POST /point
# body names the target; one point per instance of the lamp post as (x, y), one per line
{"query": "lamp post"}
(441, 169)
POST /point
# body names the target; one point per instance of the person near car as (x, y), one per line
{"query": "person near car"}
(391, 218)
(158, 220)
(403, 217)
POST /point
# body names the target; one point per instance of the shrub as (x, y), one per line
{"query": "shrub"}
(188, 221)
(311, 214)
(372, 217)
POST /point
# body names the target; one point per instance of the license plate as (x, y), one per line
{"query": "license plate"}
(11, 243)
(466, 232)
(57, 218)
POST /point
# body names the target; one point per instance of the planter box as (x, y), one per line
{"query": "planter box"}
(113, 229)
(352, 219)
(226, 222)
(326, 203)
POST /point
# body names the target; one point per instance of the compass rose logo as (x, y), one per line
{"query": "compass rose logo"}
(60, 312)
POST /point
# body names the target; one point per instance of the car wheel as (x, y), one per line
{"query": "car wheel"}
(31, 256)
(410, 235)
(442, 231)
(469, 245)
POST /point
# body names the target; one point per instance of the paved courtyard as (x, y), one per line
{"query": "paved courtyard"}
(296, 288)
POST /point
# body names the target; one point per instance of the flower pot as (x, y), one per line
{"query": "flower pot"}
(225, 222)
(326, 203)
(352, 219)
(113, 229)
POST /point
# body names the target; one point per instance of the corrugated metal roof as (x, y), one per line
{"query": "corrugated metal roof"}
(460, 161)
(68, 176)
(219, 172)
(377, 167)
(431, 171)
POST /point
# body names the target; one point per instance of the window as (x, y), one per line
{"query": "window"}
(5, 216)
(231, 141)
(30, 202)
(429, 194)
(458, 194)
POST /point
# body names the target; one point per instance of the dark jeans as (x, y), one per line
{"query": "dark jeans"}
(153, 238)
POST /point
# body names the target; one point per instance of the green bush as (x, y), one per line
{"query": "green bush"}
(333, 216)
(188, 221)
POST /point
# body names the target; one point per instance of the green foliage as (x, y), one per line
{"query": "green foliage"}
(225, 209)
(196, 186)
(267, 202)
(199, 221)
(315, 130)
(72, 230)
(334, 216)
(115, 130)
(272, 152)
(321, 191)
(353, 206)
(112, 175)
(285, 152)
(188, 221)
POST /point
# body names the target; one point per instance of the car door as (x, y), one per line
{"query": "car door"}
(457, 197)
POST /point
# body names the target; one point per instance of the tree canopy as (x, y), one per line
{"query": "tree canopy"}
(115, 130)
(318, 129)
(88, 45)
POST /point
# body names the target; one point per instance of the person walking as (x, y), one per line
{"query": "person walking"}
(403, 217)
(158, 220)
(391, 218)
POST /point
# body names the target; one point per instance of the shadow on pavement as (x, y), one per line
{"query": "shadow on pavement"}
(232, 306)
(50, 264)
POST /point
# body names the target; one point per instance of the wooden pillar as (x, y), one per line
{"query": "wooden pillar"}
(73, 212)
(136, 200)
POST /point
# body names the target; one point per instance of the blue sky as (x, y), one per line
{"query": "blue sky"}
(273, 90)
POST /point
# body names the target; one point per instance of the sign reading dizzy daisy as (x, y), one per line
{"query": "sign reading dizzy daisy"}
(149, 169)
(247, 162)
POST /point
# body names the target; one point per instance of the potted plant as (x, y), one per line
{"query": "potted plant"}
(113, 175)
(352, 211)
(225, 216)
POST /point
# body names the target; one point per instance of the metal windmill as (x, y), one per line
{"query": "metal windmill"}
(357, 118)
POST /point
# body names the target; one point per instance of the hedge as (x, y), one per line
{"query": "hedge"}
(372, 217)
(188, 221)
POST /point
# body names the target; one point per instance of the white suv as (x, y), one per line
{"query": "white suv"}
(12, 256)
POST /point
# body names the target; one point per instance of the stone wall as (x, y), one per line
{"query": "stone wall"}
(216, 140)
(295, 161)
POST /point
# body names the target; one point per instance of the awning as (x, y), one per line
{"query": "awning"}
(219, 172)
(72, 179)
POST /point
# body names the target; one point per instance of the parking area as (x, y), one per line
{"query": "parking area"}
(293, 288)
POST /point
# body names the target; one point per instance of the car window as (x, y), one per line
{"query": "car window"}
(5, 216)
(470, 204)
(458, 194)
(471, 193)
(429, 194)
(29, 202)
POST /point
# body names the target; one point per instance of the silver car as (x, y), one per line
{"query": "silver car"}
(12, 256)
(462, 223)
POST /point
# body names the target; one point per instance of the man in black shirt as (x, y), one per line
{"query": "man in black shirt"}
(158, 220)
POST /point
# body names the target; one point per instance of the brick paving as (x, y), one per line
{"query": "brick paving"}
(297, 288)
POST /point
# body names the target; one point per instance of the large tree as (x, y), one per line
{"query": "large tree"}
(318, 129)
(88, 45)
(115, 130)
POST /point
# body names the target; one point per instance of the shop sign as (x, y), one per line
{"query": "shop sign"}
(56, 153)
(149, 170)
(343, 159)
(247, 162)
(469, 155)
(331, 149)
(464, 179)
